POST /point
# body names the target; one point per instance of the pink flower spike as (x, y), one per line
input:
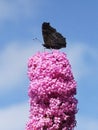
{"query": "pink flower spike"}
(52, 91)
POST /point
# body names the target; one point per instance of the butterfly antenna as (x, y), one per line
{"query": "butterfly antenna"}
(40, 42)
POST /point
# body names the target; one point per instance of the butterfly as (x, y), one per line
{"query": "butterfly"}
(52, 38)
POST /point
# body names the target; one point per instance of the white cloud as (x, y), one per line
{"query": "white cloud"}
(11, 10)
(83, 59)
(86, 123)
(14, 117)
(13, 63)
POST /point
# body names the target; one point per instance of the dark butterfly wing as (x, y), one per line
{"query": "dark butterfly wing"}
(52, 38)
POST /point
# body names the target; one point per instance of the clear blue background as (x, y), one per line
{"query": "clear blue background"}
(20, 24)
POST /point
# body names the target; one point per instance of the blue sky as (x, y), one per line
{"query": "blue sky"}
(20, 23)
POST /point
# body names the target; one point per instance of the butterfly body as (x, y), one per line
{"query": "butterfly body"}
(52, 38)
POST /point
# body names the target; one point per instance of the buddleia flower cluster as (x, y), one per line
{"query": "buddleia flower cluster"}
(52, 91)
